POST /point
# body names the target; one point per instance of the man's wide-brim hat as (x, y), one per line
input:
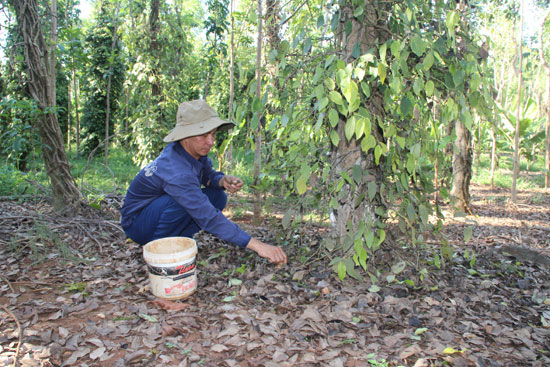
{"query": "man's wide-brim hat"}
(196, 118)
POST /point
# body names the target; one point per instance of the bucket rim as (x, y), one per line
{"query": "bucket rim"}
(155, 256)
(171, 238)
(189, 260)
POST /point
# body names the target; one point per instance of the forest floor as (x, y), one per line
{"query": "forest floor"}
(75, 292)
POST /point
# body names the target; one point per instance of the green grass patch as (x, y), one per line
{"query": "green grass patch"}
(530, 176)
(95, 177)
(14, 182)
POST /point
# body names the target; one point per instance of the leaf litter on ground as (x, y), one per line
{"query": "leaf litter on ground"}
(493, 311)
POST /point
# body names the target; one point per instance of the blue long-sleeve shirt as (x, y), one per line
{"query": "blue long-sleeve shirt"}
(177, 174)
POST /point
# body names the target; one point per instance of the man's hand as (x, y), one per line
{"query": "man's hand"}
(231, 183)
(272, 253)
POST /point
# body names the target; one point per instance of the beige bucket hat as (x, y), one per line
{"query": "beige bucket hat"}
(196, 118)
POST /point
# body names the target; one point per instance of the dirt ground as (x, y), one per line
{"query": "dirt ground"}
(75, 292)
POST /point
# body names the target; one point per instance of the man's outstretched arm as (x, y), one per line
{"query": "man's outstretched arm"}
(274, 254)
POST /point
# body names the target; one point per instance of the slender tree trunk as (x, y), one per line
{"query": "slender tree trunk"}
(229, 152)
(273, 20)
(478, 145)
(520, 87)
(206, 83)
(493, 154)
(53, 47)
(154, 26)
(107, 116)
(462, 157)
(258, 132)
(494, 131)
(76, 111)
(547, 107)
(69, 117)
(109, 78)
(435, 113)
(474, 149)
(126, 110)
(272, 35)
(39, 84)
(232, 61)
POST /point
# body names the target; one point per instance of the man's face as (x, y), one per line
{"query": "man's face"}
(200, 145)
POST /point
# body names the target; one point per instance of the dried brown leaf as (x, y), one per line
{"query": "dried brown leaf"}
(97, 353)
(169, 305)
(218, 348)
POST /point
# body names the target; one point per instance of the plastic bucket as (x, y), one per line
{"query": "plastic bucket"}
(171, 266)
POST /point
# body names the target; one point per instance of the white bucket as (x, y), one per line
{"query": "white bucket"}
(171, 266)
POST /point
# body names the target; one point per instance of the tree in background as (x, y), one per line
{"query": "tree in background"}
(463, 125)
(154, 50)
(519, 71)
(216, 26)
(19, 111)
(18, 138)
(500, 22)
(104, 61)
(544, 31)
(255, 123)
(171, 64)
(40, 80)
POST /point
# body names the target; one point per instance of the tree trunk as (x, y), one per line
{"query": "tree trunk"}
(494, 127)
(76, 111)
(258, 132)
(273, 20)
(206, 83)
(547, 107)
(53, 47)
(109, 78)
(69, 117)
(462, 168)
(232, 62)
(126, 112)
(228, 154)
(493, 133)
(154, 26)
(65, 191)
(436, 116)
(462, 159)
(348, 217)
(107, 116)
(478, 145)
(520, 87)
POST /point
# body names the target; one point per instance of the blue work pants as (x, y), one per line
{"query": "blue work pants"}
(164, 217)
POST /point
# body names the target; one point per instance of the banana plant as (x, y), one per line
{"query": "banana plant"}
(529, 139)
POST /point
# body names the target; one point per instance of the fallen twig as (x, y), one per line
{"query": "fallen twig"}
(8, 282)
(91, 237)
(19, 332)
(505, 238)
(31, 282)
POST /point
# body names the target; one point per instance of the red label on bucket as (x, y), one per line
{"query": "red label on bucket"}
(181, 287)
